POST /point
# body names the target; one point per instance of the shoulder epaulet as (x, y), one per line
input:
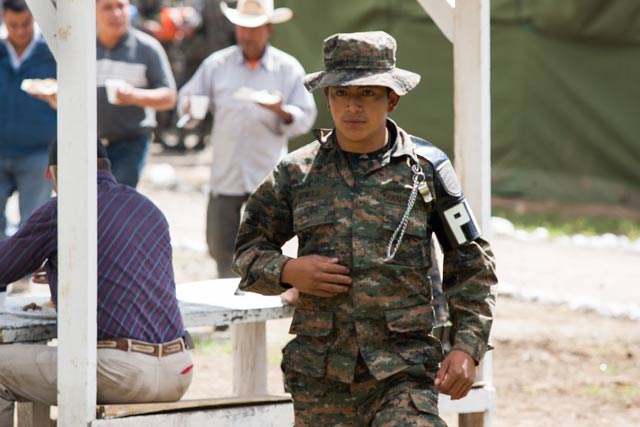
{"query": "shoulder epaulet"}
(441, 164)
(429, 152)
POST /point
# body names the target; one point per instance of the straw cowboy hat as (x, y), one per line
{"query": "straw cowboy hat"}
(362, 59)
(254, 13)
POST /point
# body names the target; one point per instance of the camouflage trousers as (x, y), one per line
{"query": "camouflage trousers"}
(402, 400)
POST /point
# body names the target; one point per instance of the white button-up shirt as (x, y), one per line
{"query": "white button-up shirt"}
(248, 140)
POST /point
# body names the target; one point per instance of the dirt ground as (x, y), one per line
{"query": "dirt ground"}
(553, 366)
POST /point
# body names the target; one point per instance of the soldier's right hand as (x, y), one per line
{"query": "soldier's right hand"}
(317, 275)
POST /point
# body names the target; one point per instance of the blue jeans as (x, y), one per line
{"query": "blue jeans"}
(26, 176)
(127, 157)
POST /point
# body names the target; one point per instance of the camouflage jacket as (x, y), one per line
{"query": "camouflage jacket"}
(387, 315)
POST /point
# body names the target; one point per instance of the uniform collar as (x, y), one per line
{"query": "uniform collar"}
(400, 146)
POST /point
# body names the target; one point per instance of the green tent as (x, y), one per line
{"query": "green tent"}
(564, 94)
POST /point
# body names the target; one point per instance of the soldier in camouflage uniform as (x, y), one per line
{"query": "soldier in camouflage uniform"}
(364, 201)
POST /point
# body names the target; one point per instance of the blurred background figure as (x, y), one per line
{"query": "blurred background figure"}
(189, 31)
(134, 80)
(259, 103)
(28, 124)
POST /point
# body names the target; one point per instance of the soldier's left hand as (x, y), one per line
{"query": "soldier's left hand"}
(456, 374)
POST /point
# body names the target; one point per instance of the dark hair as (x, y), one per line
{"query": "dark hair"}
(104, 164)
(101, 154)
(14, 5)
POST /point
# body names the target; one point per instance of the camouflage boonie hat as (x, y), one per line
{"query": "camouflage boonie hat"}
(362, 59)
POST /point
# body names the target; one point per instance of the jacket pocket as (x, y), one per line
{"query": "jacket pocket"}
(307, 352)
(312, 213)
(419, 318)
(425, 401)
(413, 249)
(410, 331)
(313, 223)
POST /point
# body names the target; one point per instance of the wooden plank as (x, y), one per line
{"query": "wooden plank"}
(77, 212)
(249, 363)
(126, 410)
(441, 11)
(195, 315)
(272, 415)
(473, 420)
(34, 332)
(33, 414)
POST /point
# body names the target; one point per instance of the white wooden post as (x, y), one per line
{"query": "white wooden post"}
(33, 414)
(472, 140)
(472, 105)
(441, 12)
(466, 23)
(249, 342)
(77, 236)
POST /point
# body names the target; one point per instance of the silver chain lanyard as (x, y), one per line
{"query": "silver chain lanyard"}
(418, 182)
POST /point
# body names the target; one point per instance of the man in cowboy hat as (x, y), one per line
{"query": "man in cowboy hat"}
(258, 102)
(364, 201)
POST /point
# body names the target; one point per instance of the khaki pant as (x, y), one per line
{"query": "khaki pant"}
(28, 372)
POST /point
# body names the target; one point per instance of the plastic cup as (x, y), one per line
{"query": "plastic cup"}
(198, 106)
(112, 86)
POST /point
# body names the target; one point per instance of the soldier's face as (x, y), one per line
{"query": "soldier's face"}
(253, 41)
(19, 28)
(360, 113)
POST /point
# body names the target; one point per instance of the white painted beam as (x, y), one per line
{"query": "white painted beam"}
(441, 11)
(249, 363)
(472, 128)
(477, 401)
(472, 105)
(77, 235)
(44, 12)
(244, 416)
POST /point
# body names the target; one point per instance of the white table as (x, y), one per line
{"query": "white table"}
(206, 303)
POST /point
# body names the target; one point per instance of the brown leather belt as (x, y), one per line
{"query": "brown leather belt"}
(157, 350)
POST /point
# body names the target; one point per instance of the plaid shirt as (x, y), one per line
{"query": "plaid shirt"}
(136, 287)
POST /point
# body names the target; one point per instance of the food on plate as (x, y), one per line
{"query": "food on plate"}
(40, 86)
(259, 96)
(32, 307)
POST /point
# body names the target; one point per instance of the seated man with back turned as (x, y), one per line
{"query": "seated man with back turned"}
(141, 353)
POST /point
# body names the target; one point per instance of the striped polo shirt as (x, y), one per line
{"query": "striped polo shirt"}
(139, 60)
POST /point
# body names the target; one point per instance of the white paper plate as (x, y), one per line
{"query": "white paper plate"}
(39, 86)
(252, 95)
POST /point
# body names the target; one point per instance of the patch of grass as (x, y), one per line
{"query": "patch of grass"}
(559, 225)
(595, 390)
(274, 359)
(208, 345)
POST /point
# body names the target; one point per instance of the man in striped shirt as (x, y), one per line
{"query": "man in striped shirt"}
(141, 353)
